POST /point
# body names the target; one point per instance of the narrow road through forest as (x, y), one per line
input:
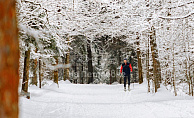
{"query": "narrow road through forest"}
(103, 101)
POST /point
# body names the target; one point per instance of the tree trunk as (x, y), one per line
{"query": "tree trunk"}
(34, 66)
(147, 65)
(26, 71)
(174, 77)
(115, 75)
(159, 76)
(66, 70)
(75, 71)
(81, 74)
(110, 76)
(40, 75)
(9, 60)
(156, 63)
(190, 78)
(191, 86)
(56, 72)
(153, 50)
(119, 57)
(90, 67)
(139, 62)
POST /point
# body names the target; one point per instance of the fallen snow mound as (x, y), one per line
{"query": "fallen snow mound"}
(64, 82)
(115, 83)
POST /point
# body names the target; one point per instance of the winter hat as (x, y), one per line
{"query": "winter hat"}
(125, 58)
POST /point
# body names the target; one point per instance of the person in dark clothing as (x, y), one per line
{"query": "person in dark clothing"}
(126, 68)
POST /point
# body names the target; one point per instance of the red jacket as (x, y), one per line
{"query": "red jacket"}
(125, 65)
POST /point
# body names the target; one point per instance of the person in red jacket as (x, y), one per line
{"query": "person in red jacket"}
(126, 68)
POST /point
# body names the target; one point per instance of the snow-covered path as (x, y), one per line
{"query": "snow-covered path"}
(103, 101)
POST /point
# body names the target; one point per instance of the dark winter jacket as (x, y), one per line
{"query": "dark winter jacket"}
(126, 68)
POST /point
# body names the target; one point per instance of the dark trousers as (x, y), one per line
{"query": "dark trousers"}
(125, 80)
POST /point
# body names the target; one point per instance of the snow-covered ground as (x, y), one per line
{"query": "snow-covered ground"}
(103, 101)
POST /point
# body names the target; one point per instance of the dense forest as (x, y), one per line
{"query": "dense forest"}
(85, 42)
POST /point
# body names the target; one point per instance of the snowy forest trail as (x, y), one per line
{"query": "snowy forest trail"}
(103, 101)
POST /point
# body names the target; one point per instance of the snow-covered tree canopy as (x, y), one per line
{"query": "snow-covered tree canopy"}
(162, 28)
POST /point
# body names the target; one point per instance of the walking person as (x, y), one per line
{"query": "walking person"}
(126, 68)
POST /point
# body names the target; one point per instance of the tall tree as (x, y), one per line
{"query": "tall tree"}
(40, 73)
(154, 58)
(66, 70)
(173, 71)
(139, 61)
(147, 64)
(34, 69)
(9, 60)
(56, 71)
(26, 71)
(90, 66)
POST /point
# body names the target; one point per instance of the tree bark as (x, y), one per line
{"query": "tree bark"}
(153, 50)
(139, 62)
(75, 71)
(26, 71)
(66, 70)
(159, 76)
(82, 76)
(174, 77)
(9, 60)
(56, 72)
(147, 65)
(115, 75)
(192, 85)
(90, 67)
(190, 78)
(187, 77)
(119, 57)
(110, 77)
(34, 79)
(40, 75)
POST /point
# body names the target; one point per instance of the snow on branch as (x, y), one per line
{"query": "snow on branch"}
(180, 5)
(175, 18)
